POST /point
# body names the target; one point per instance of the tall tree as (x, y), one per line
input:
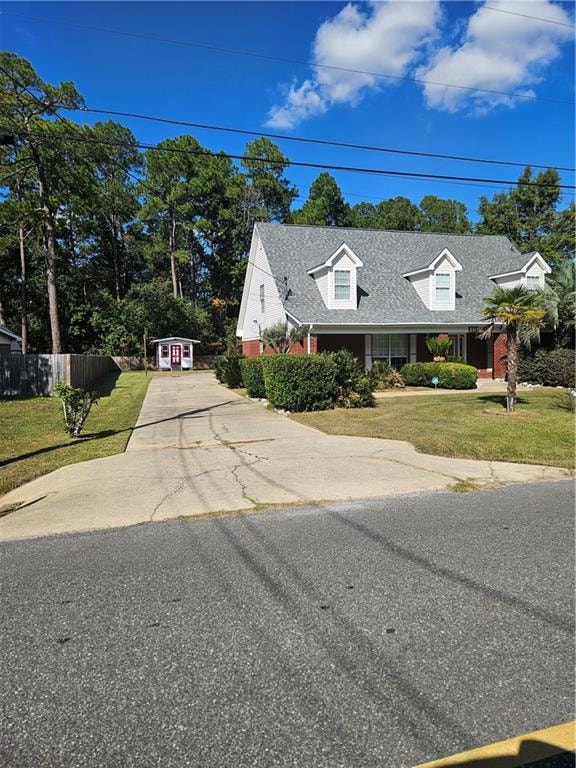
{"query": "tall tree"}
(169, 171)
(116, 161)
(529, 215)
(439, 215)
(397, 213)
(269, 194)
(37, 153)
(325, 204)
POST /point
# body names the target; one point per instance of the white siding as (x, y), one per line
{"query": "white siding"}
(323, 285)
(536, 271)
(511, 281)
(422, 285)
(254, 318)
(344, 262)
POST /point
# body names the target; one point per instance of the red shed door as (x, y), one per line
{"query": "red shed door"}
(175, 354)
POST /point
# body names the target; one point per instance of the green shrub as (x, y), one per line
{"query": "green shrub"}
(439, 346)
(450, 375)
(382, 376)
(253, 376)
(300, 382)
(355, 387)
(550, 367)
(227, 367)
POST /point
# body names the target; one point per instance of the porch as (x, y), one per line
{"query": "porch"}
(398, 348)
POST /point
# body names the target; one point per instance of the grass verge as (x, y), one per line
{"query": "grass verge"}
(465, 426)
(32, 437)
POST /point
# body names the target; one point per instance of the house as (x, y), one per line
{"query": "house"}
(381, 294)
(175, 353)
(9, 341)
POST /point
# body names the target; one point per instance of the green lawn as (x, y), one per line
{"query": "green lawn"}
(32, 437)
(540, 432)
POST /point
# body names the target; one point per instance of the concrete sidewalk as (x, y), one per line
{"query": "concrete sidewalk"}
(199, 448)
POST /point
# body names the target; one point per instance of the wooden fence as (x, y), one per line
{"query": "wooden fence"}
(39, 374)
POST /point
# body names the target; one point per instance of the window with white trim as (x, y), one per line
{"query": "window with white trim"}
(262, 299)
(442, 288)
(341, 284)
(533, 282)
(391, 348)
(164, 350)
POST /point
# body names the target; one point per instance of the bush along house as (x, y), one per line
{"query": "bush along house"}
(381, 294)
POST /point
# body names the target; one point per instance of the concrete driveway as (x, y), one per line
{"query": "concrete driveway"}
(198, 448)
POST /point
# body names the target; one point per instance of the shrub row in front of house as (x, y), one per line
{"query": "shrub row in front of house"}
(550, 367)
(308, 382)
(449, 375)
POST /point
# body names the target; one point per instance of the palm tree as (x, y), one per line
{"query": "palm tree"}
(281, 337)
(519, 311)
(561, 290)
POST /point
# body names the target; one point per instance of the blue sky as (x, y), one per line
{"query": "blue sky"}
(448, 42)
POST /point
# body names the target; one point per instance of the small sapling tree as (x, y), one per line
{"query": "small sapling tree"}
(76, 405)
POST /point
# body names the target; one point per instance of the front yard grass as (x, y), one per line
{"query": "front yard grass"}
(541, 431)
(32, 437)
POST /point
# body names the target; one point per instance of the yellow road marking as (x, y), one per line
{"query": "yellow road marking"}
(518, 751)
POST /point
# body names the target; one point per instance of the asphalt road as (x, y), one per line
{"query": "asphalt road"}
(379, 633)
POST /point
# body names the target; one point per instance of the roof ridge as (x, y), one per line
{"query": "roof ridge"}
(375, 229)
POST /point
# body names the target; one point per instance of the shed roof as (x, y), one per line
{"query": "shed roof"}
(175, 338)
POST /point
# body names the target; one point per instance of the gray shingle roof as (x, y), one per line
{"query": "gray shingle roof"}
(385, 296)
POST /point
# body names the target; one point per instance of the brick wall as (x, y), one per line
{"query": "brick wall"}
(500, 356)
(252, 348)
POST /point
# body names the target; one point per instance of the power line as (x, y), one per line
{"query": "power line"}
(527, 16)
(280, 59)
(321, 166)
(290, 137)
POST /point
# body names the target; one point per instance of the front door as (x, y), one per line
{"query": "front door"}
(175, 354)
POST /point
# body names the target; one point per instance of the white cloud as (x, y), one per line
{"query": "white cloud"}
(388, 37)
(500, 52)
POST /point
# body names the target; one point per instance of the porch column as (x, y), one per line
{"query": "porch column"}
(413, 353)
(367, 351)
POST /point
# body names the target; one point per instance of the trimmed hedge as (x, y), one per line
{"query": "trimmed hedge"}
(450, 375)
(550, 367)
(300, 382)
(253, 376)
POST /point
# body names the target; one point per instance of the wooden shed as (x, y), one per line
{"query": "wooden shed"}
(9, 341)
(175, 353)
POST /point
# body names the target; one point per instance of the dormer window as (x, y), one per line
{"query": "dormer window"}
(341, 284)
(337, 278)
(435, 282)
(442, 288)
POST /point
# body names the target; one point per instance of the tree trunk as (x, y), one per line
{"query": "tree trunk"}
(116, 257)
(49, 239)
(23, 291)
(512, 364)
(172, 245)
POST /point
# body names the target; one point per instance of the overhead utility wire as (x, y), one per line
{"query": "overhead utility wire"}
(527, 16)
(323, 166)
(76, 130)
(281, 59)
(289, 137)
